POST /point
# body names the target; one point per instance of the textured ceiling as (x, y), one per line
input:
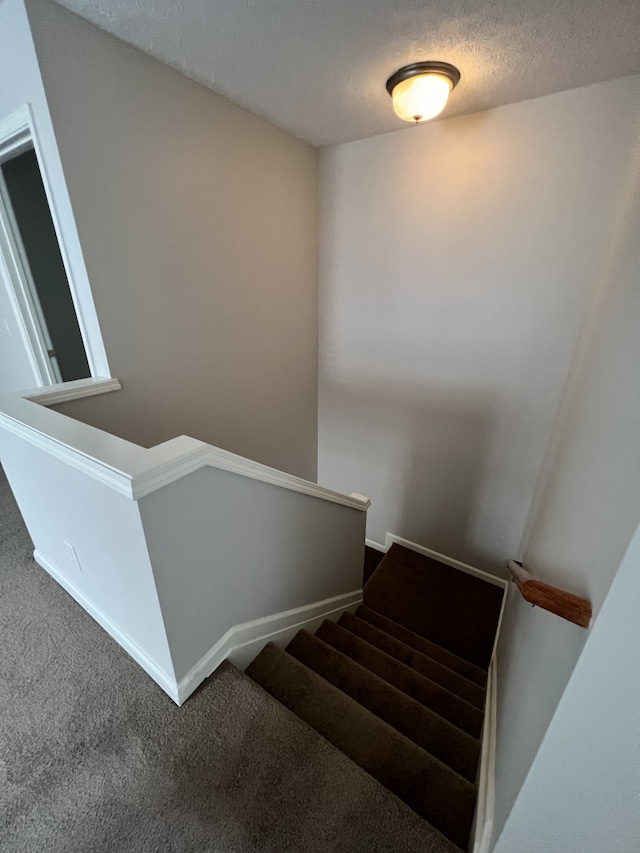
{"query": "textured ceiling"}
(318, 67)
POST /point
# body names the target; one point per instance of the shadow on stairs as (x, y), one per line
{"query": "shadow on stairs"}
(399, 686)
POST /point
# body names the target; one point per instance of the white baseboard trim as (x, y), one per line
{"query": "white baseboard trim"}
(484, 816)
(167, 682)
(483, 822)
(242, 642)
(391, 539)
(375, 545)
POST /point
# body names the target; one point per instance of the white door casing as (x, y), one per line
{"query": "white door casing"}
(17, 135)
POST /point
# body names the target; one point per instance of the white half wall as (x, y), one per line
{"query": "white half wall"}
(113, 573)
(184, 553)
(198, 223)
(228, 549)
(582, 794)
(457, 263)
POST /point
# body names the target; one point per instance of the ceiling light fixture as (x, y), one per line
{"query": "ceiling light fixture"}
(420, 91)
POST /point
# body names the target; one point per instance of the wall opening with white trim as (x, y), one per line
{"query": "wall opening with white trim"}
(35, 271)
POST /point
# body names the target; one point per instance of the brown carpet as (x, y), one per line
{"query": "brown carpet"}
(372, 558)
(455, 610)
(399, 686)
(94, 758)
(432, 789)
(415, 641)
(462, 714)
(419, 662)
(423, 726)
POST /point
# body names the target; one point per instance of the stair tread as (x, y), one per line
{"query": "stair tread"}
(309, 796)
(442, 797)
(449, 607)
(453, 708)
(449, 744)
(410, 638)
(438, 672)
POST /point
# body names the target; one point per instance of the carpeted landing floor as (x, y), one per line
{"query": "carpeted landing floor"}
(95, 758)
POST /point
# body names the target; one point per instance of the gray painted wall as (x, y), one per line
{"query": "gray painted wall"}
(457, 263)
(198, 227)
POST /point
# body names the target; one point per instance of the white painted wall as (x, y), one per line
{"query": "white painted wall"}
(16, 53)
(198, 223)
(21, 83)
(589, 497)
(59, 504)
(457, 260)
(588, 501)
(227, 549)
(183, 552)
(16, 369)
(582, 794)
(537, 652)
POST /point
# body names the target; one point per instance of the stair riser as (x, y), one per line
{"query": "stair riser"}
(431, 789)
(445, 741)
(454, 709)
(426, 666)
(451, 608)
(457, 664)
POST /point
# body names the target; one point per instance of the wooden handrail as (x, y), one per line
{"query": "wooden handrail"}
(564, 604)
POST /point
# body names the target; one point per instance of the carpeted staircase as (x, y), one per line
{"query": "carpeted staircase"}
(399, 686)
(94, 757)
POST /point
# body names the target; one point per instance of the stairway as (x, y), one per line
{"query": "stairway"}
(399, 686)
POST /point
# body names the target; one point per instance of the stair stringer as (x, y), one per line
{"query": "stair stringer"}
(243, 642)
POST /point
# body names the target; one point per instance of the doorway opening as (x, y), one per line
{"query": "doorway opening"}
(37, 274)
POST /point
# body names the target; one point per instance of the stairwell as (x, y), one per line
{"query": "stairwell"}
(399, 687)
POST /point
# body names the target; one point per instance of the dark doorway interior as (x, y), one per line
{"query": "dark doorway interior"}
(33, 217)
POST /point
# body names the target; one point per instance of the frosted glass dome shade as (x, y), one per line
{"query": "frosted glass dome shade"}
(421, 97)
